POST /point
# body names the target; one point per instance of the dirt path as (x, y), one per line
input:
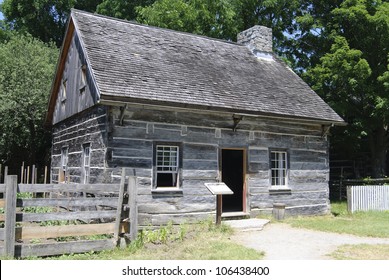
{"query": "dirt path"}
(283, 242)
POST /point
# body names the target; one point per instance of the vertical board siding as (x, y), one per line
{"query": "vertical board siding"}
(76, 100)
(368, 198)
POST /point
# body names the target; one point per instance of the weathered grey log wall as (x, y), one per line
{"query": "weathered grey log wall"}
(202, 135)
(90, 127)
(131, 144)
(127, 140)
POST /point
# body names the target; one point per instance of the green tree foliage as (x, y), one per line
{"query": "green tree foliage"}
(123, 9)
(211, 18)
(353, 76)
(43, 19)
(312, 29)
(280, 15)
(26, 72)
(4, 32)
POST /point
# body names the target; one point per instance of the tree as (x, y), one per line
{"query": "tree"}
(43, 19)
(4, 32)
(123, 9)
(280, 16)
(210, 18)
(353, 75)
(26, 72)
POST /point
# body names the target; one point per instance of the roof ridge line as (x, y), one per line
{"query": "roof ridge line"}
(156, 27)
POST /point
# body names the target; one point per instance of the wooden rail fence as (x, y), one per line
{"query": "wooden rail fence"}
(38, 218)
(366, 198)
(28, 174)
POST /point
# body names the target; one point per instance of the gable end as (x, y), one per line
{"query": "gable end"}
(73, 89)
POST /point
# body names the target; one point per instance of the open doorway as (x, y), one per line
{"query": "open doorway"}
(232, 167)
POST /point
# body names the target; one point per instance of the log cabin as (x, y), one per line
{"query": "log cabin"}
(181, 110)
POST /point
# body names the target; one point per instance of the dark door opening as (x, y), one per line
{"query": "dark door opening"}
(232, 163)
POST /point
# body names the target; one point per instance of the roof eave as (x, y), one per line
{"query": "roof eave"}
(58, 72)
(118, 100)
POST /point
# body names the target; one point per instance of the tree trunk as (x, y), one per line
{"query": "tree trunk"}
(378, 148)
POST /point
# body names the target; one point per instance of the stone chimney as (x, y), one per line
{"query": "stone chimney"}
(257, 39)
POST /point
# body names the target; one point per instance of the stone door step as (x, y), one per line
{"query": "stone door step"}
(247, 224)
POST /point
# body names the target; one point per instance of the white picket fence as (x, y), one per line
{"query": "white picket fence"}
(368, 198)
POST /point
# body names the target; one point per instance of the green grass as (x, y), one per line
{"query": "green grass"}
(370, 224)
(203, 241)
(362, 252)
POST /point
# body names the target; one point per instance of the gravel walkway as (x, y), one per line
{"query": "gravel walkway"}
(283, 242)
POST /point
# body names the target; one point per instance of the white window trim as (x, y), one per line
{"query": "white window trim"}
(64, 164)
(284, 166)
(64, 158)
(174, 168)
(86, 163)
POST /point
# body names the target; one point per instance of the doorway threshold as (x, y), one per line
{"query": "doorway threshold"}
(235, 215)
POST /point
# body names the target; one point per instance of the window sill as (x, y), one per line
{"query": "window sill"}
(279, 190)
(169, 191)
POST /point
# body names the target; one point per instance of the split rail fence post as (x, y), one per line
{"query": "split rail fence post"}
(120, 206)
(45, 179)
(132, 201)
(22, 174)
(33, 174)
(11, 183)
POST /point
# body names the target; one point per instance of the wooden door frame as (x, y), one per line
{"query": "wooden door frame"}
(244, 185)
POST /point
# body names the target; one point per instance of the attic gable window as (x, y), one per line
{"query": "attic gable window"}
(82, 79)
(167, 166)
(63, 90)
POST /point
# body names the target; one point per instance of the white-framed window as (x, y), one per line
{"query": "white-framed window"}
(64, 164)
(279, 168)
(167, 166)
(86, 163)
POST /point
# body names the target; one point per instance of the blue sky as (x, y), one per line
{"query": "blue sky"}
(1, 15)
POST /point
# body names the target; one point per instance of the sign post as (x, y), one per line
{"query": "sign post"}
(218, 189)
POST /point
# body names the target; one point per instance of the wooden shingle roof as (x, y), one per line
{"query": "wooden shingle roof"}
(143, 64)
